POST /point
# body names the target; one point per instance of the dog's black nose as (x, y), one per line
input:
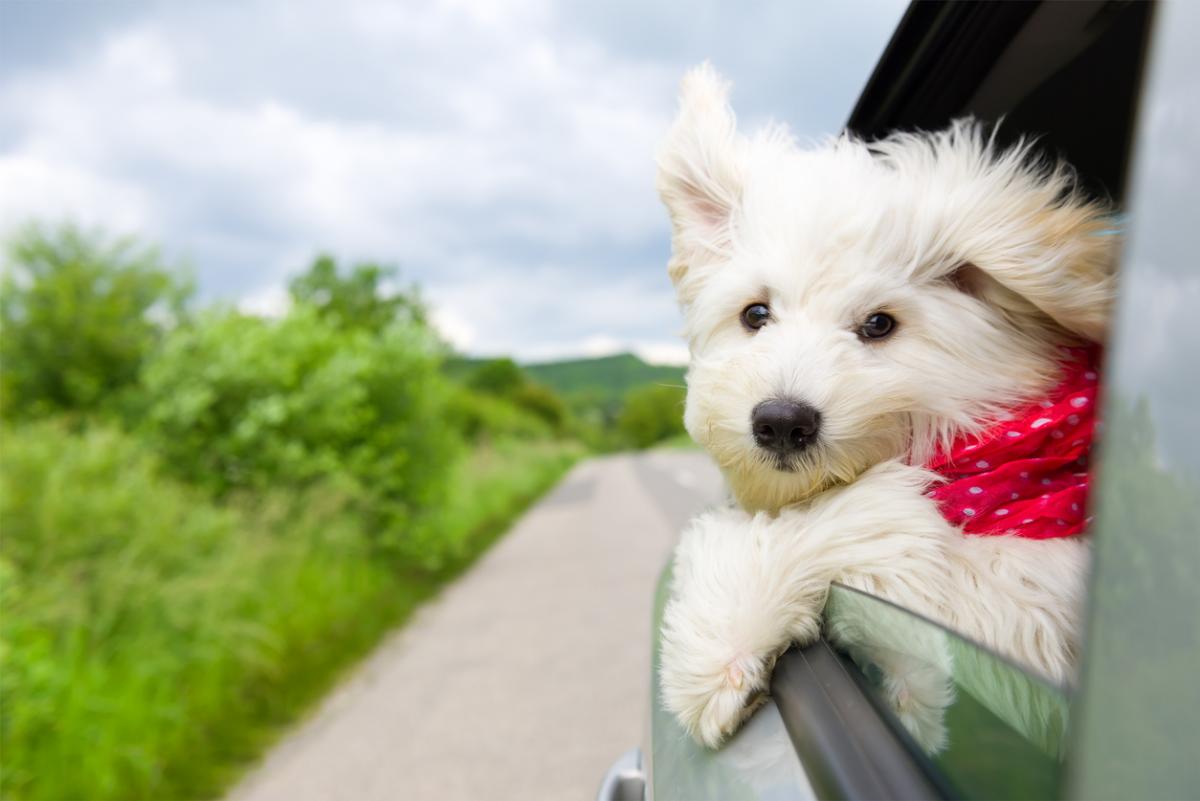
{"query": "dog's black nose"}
(784, 426)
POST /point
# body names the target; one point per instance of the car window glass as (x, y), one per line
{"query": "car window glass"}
(982, 727)
(1139, 697)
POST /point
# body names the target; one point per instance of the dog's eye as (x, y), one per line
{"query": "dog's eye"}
(877, 326)
(755, 316)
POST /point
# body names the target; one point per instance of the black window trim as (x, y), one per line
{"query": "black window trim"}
(934, 61)
(848, 749)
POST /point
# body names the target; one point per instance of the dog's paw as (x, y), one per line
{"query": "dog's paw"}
(910, 667)
(712, 703)
(920, 697)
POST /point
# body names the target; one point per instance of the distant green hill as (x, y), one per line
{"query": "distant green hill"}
(599, 384)
(605, 379)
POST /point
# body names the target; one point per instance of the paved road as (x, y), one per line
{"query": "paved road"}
(525, 678)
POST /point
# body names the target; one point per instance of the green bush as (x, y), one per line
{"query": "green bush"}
(236, 402)
(487, 490)
(651, 414)
(480, 417)
(142, 623)
(191, 542)
(359, 299)
(500, 377)
(503, 378)
(544, 403)
(152, 641)
(80, 314)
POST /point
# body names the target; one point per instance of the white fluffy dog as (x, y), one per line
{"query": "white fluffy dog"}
(880, 300)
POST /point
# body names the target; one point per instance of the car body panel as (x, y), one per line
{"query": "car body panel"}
(1138, 733)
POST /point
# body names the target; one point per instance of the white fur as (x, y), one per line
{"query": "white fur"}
(988, 261)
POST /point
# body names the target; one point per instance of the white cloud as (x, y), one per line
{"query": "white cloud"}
(454, 329)
(33, 188)
(601, 345)
(596, 345)
(500, 154)
(270, 301)
(663, 353)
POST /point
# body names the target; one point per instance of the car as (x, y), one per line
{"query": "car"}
(1109, 86)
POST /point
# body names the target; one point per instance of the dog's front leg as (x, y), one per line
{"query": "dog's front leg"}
(743, 591)
(747, 586)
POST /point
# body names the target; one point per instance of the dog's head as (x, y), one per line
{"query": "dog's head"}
(857, 302)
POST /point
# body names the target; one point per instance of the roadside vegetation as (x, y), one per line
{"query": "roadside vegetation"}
(206, 515)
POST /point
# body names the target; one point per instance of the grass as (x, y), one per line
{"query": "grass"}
(152, 642)
(490, 489)
(682, 441)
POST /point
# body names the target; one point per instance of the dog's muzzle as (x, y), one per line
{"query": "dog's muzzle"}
(784, 427)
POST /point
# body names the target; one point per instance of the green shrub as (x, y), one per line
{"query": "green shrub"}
(174, 591)
(359, 299)
(497, 377)
(544, 403)
(480, 417)
(80, 314)
(487, 490)
(651, 414)
(236, 402)
(503, 378)
(142, 624)
(151, 640)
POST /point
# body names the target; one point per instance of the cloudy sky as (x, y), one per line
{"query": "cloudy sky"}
(500, 153)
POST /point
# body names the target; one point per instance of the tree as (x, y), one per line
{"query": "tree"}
(80, 314)
(504, 378)
(241, 403)
(542, 402)
(651, 414)
(500, 377)
(362, 299)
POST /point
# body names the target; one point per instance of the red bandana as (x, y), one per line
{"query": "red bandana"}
(1028, 475)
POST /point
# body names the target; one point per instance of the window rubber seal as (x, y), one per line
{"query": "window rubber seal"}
(848, 749)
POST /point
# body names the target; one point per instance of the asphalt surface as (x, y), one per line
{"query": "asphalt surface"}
(529, 675)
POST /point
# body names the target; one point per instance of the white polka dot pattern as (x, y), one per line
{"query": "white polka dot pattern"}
(1025, 475)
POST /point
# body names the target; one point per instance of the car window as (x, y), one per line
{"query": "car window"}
(1067, 74)
(982, 727)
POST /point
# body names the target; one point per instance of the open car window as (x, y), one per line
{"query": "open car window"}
(975, 723)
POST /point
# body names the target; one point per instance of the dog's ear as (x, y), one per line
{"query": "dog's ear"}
(700, 174)
(1066, 269)
(1033, 244)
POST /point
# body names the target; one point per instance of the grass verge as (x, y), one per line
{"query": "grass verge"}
(682, 441)
(152, 642)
